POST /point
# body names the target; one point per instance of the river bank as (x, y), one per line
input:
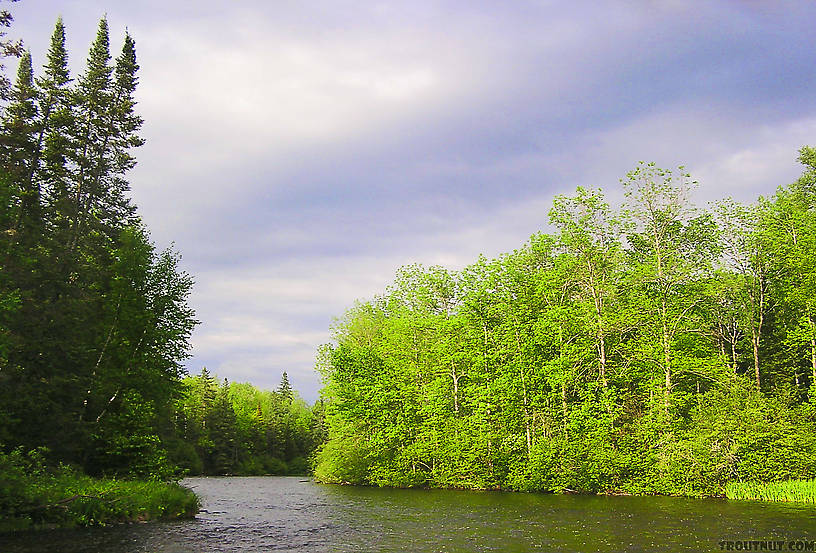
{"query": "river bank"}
(787, 491)
(34, 495)
(262, 514)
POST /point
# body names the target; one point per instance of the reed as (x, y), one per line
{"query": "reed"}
(802, 491)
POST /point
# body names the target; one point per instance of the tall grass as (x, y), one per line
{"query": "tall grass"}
(803, 491)
(34, 495)
(78, 500)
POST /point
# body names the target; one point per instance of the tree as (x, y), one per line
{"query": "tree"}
(284, 388)
(590, 233)
(7, 48)
(95, 322)
(583, 361)
(747, 254)
(47, 169)
(17, 147)
(105, 130)
(672, 252)
(788, 220)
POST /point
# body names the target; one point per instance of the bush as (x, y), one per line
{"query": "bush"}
(33, 494)
(737, 433)
(342, 461)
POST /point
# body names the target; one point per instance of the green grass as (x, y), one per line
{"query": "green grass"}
(35, 496)
(803, 491)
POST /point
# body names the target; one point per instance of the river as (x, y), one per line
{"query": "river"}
(266, 514)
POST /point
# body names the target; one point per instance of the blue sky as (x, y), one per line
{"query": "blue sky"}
(298, 153)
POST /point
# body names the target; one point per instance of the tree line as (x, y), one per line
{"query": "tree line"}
(94, 320)
(654, 348)
(95, 323)
(236, 428)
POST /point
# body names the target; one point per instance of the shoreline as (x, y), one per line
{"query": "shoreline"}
(768, 492)
(48, 502)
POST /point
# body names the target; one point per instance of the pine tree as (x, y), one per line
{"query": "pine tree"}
(285, 389)
(17, 144)
(49, 166)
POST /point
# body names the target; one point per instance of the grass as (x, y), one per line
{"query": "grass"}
(63, 497)
(803, 491)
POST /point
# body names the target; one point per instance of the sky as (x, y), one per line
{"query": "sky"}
(298, 153)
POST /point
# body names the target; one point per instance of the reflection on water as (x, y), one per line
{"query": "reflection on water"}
(263, 514)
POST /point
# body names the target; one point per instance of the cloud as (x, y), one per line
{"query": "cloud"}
(299, 153)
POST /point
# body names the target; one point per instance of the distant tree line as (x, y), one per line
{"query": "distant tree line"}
(236, 428)
(656, 348)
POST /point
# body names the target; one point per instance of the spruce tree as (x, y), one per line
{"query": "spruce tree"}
(91, 135)
(48, 167)
(17, 145)
(285, 389)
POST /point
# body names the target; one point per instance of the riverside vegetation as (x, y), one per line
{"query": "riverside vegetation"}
(95, 322)
(802, 491)
(651, 349)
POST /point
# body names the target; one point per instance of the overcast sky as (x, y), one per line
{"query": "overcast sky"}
(299, 152)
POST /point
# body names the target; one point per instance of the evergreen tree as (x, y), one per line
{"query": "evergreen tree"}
(285, 389)
(17, 148)
(95, 322)
(56, 118)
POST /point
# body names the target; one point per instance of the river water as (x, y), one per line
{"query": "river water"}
(266, 514)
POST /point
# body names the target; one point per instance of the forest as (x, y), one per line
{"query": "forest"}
(651, 348)
(236, 428)
(95, 322)
(654, 347)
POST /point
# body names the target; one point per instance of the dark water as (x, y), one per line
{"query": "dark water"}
(289, 514)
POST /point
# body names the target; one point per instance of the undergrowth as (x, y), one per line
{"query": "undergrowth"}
(33, 494)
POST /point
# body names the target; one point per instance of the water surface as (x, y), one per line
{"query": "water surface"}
(264, 514)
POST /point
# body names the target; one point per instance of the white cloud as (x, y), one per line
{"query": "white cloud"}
(300, 153)
(273, 93)
(758, 165)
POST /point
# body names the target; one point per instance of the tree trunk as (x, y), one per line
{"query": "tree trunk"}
(755, 346)
(523, 389)
(99, 361)
(812, 347)
(666, 359)
(734, 356)
(455, 378)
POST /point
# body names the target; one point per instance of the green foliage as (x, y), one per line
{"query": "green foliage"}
(34, 494)
(94, 322)
(343, 460)
(802, 491)
(237, 428)
(658, 349)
